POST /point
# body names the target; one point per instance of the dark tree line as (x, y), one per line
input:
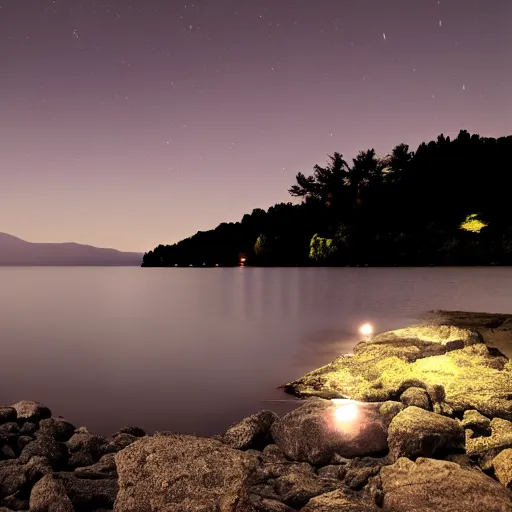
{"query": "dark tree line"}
(447, 203)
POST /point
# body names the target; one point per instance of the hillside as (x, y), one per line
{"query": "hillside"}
(15, 251)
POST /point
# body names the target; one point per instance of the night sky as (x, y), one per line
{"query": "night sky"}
(130, 123)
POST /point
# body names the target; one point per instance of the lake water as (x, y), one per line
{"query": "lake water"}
(193, 350)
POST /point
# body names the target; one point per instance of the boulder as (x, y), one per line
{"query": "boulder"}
(85, 449)
(415, 432)
(119, 441)
(133, 431)
(12, 479)
(7, 414)
(333, 472)
(433, 485)
(320, 429)
(57, 428)
(473, 377)
(272, 452)
(27, 410)
(49, 495)
(416, 397)
(36, 468)
(47, 447)
(9, 428)
(178, 472)
(485, 448)
(359, 471)
(340, 500)
(104, 468)
(477, 422)
(28, 428)
(6, 452)
(89, 494)
(296, 489)
(388, 410)
(260, 504)
(251, 432)
(23, 441)
(502, 465)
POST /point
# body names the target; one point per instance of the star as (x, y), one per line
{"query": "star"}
(384, 35)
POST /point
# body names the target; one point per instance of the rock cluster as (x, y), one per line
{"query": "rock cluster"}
(426, 445)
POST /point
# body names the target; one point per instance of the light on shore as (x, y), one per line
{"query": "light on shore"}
(366, 330)
(346, 413)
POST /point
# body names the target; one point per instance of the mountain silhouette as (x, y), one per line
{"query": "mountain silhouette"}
(15, 251)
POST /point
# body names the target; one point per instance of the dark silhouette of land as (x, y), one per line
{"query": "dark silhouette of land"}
(15, 251)
(447, 203)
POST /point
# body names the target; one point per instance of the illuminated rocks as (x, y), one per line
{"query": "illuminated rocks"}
(429, 485)
(415, 432)
(314, 433)
(472, 377)
(502, 465)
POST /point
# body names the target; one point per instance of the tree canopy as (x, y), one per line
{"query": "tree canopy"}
(444, 204)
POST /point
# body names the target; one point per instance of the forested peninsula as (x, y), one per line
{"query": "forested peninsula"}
(447, 203)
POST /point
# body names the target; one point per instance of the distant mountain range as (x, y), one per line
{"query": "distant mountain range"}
(15, 251)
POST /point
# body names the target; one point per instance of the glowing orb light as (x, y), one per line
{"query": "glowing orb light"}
(346, 413)
(366, 330)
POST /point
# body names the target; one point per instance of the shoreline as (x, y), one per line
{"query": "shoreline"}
(417, 419)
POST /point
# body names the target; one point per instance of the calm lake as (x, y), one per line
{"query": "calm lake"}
(193, 350)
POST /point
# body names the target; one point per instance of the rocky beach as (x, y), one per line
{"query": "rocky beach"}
(418, 419)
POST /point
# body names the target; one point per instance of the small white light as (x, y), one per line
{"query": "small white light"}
(366, 330)
(346, 413)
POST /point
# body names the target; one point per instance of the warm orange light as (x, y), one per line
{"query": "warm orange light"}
(345, 413)
(243, 260)
(366, 330)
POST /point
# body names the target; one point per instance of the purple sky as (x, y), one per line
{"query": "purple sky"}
(129, 123)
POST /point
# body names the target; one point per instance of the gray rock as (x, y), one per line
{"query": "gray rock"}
(296, 489)
(85, 449)
(6, 452)
(28, 410)
(12, 478)
(178, 472)
(340, 500)
(23, 441)
(7, 414)
(485, 448)
(9, 428)
(28, 428)
(120, 441)
(45, 446)
(388, 410)
(49, 495)
(478, 423)
(260, 504)
(502, 465)
(314, 433)
(334, 472)
(89, 494)
(415, 432)
(432, 485)
(274, 453)
(359, 471)
(36, 468)
(57, 428)
(416, 397)
(104, 468)
(251, 432)
(133, 431)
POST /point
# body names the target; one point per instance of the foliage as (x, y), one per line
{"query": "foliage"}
(404, 208)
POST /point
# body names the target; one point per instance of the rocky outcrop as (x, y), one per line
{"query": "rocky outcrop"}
(430, 431)
(471, 377)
